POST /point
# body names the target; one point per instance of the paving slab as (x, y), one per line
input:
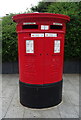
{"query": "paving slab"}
(52, 112)
(77, 109)
(73, 96)
(15, 112)
(7, 99)
(9, 91)
(67, 85)
(0, 86)
(80, 112)
(5, 105)
(9, 80)
(69, 108)
(68, 111)
(0, 108)
(16, 100)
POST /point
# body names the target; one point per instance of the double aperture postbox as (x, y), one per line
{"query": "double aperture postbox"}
(41, 52)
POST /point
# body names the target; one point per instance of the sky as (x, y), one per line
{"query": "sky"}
(16, 6)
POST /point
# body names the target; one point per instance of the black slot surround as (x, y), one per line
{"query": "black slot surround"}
(58, 27)
(29, 26)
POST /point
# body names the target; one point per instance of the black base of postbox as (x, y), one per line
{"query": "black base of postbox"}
(40, 96)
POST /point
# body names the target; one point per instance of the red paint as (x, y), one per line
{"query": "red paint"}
(43, 66)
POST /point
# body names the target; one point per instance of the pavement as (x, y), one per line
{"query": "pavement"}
(11, 107)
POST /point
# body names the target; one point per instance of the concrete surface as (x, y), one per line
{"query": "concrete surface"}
(11, 107)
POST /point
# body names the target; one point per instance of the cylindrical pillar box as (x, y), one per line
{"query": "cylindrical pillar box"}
(41, 52)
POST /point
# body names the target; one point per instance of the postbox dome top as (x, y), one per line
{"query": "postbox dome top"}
(36, 16)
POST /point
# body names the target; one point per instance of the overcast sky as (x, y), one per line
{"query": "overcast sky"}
(15, 6)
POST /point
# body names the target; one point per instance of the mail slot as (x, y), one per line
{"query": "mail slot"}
(41, 53)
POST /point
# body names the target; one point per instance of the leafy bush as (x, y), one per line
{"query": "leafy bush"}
(73, 38)
(9, 39)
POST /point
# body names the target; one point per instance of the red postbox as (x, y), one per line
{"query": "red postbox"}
(41, 52)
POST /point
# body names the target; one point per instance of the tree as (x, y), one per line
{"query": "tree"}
(41, 7)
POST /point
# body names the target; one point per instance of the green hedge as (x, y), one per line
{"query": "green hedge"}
(72, 38)
(9, 39)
